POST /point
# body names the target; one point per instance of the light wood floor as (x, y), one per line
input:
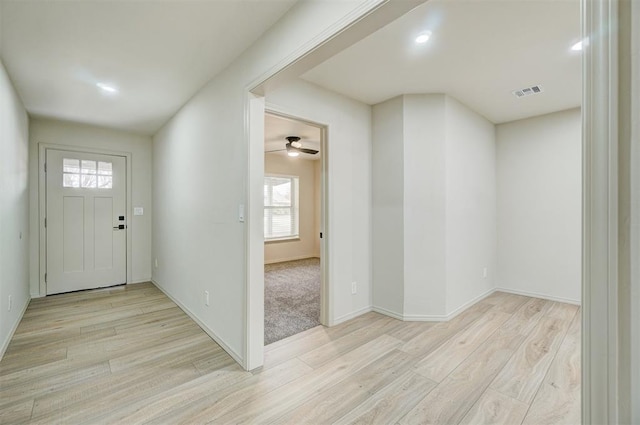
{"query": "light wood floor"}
(129, 355)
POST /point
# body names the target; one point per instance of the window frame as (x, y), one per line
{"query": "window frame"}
(294, 207)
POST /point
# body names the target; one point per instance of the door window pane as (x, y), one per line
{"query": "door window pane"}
(87, 174)
(105, 182)
(71, 165)
(88, 181)
(88, 167)
(105, 168)
(71, 180)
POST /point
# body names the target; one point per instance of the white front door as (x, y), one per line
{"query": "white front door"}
(85, 220)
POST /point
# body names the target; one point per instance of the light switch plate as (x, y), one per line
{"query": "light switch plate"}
(138, 211)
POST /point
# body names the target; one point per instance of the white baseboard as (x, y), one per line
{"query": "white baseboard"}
(133, 282)
(208, 331)
(5, 343)
(539, 295)
(351, 315)
(284, 260)
(387, 312)
(436, 317)
(468, 304)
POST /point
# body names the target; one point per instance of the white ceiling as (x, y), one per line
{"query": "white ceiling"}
(157, 53)
(479, 52)
(276, 128)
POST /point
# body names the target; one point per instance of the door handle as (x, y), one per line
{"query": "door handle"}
(120, 227)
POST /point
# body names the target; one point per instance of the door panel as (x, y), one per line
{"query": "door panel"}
(85, 197)
(103, 241)
(73, 234)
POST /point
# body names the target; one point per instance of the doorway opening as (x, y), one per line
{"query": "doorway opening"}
(294, 278)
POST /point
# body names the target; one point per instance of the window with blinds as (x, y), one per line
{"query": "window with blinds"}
(280, 207)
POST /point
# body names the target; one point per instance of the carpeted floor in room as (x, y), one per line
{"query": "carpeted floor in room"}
(291, 298)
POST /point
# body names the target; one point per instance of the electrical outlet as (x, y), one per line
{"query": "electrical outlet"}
(155, 263)
(206, 298)
(484, 273)
(10, 302)
(354, 287)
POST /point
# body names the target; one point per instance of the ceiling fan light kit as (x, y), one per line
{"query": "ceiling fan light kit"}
(294, 147)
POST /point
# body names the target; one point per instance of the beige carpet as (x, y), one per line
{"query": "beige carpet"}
(291, 298)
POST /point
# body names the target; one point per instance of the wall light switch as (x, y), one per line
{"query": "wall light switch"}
(138, 211)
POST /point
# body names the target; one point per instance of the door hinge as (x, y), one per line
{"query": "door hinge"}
(45, 222)
(45, 278)
(45, 167)
(320, 235)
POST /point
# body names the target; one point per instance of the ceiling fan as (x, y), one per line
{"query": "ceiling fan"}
(294, 147)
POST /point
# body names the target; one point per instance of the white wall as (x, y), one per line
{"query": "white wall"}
(434, 206)
(349, 187)
(305, 247)
(470, 205)
(80, 135)
(387, 169)
(539, 206)
(14, 209)
(425, 215)
(198, 239)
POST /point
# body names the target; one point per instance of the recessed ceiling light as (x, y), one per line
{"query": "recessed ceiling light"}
(107, 88)
(423, 37)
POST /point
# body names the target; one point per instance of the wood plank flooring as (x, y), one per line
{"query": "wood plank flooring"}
(128, 355)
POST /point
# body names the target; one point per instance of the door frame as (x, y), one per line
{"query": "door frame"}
(42, 205)
(326, 306)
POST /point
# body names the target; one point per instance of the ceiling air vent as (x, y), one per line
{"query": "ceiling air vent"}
(527, 91)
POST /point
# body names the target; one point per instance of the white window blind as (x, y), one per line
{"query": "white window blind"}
(280, 207)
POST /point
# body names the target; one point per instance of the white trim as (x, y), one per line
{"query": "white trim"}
(539, 295)
(207, 330)
(253, 306)
(436, 317)
(42, 205)
(6, 342)
(139, 281)
(284, 260)
(386, 312)
(634, 249)
(600, 213)
(364, 9)
(352, 315)
(469, 303)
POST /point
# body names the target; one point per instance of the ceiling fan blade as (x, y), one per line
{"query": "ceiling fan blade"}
(277, 150)
(309, 151)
